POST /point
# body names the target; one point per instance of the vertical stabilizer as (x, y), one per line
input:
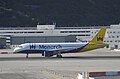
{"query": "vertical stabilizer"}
(97, 41)
(99, 37)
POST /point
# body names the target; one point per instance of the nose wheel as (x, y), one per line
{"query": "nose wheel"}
(59, 56)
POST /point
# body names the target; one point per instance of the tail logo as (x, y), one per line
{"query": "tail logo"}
(99, 38)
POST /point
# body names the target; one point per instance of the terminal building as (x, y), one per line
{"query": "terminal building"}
(13, 36)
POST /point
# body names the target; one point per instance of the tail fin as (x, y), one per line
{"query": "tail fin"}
(96, 42)
(99, 37)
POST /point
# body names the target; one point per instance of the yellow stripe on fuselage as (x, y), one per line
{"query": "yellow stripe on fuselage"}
(92, 46)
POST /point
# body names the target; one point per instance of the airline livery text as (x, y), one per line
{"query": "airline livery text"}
(46, 46)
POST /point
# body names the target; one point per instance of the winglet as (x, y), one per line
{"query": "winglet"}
(99, 37)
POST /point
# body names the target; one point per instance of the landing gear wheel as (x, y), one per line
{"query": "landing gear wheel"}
(59, 56)
(27, 55)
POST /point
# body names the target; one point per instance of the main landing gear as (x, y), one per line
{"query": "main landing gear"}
(59, 55)
(27, 55)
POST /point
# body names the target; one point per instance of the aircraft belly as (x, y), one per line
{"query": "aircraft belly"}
(30, 51)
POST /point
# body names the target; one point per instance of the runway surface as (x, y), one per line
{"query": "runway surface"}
(37, 67)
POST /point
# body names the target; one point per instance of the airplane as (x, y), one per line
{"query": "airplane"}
(51, 49)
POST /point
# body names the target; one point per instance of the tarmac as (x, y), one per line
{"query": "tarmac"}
(16, 66)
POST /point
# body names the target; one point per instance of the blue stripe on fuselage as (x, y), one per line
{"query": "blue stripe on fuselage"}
(75, 50)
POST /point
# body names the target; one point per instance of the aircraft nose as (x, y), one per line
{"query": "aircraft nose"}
(16, 50)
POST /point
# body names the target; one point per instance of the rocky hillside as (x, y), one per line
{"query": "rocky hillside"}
(62, 12)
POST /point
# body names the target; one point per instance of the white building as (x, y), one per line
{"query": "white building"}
(50, 33)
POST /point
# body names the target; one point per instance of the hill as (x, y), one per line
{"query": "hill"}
(62, 12)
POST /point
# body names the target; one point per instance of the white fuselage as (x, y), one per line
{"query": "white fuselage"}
(23, 48)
